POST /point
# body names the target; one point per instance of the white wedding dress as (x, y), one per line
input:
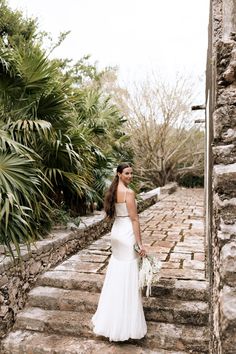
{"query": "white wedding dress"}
(119, 314)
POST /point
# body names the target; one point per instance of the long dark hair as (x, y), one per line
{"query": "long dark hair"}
(110, 196)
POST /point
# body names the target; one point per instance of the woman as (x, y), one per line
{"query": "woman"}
(119, 315)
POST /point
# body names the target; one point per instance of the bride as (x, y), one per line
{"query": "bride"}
(119, 314)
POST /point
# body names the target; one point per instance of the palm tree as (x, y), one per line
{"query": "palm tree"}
(24, 209)
(101, 123)
(58, 142)
(35, 113)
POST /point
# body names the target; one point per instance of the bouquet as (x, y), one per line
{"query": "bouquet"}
(149, 269)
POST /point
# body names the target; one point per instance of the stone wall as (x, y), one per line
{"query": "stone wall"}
(221, 113)
(16, 279)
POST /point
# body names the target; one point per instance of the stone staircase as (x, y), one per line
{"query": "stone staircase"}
(57, 316)
(58, 313)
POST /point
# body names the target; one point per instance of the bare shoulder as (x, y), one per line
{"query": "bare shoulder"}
(130, 193)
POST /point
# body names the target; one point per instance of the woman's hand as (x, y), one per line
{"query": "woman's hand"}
(142, 251)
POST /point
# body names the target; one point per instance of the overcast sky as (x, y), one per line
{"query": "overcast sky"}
(138, 36)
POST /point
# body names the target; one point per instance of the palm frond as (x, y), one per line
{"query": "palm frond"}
(24, 131)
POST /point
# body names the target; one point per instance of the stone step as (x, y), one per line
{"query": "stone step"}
(156, 309)
(28, 342)
(161, 335)
(174, 288)
(72, 280)
(50, 298)
(176, 311)
(181, 289)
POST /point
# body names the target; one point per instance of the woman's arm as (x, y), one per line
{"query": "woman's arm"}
(133, 213)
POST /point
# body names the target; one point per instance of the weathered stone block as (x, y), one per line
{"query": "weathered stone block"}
(229, 17)
(224, 179)
(3, 280)
(226, 232)
(1, 299)
(223, 118)
(35, 267)
(229, 135)
(229, 73)
(228, 307)
(228, 263)
(228, 319)
(225, 154)
(226, 208)
(224, 50)
(169, 188)
(3, 311)
(227, 96)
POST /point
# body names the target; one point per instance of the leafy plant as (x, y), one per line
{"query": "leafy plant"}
(60, 135)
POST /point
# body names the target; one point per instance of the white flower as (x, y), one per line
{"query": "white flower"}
(149, 268)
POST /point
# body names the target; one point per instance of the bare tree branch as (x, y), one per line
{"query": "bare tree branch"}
(162, 134)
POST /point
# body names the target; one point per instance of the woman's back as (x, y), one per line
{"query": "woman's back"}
(120, 205)
(121, 195)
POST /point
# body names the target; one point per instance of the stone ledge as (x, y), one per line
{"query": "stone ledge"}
(168, 189)
(154, 192)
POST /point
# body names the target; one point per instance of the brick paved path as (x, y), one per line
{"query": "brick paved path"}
(174, 230)
(59, 310)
